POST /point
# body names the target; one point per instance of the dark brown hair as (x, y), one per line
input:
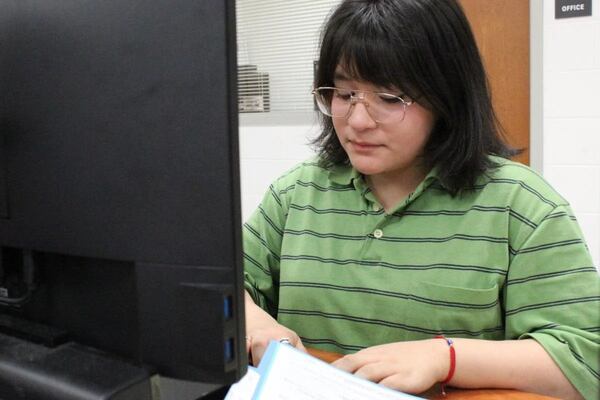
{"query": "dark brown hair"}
(426, 48)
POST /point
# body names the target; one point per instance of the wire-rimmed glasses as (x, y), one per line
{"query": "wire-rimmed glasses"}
(382, 107)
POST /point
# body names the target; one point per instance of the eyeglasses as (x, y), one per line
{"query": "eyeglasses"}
(382, 107)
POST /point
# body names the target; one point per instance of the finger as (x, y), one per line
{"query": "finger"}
(248, 343)
(294, 341)
(288, 341)
(258, 350)
(256, 356)
(300, 346)
(375, 372)
(349, 363)
(352, 362)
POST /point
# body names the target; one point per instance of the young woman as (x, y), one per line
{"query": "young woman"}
(411, 223)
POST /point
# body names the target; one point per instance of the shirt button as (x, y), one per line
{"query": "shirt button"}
(378, 233)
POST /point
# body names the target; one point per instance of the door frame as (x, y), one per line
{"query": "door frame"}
(536, 85)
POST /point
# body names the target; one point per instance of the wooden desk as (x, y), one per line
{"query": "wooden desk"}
(451, 393)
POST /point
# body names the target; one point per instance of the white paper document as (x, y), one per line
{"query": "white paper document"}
(244, 389)
(289, 374)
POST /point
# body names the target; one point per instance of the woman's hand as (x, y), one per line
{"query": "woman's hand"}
(411, 367)
(258, 339)
(261, 328)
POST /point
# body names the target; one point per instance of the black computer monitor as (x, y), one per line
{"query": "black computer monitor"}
(119, 188)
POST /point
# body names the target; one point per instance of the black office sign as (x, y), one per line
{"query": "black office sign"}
(572, 8)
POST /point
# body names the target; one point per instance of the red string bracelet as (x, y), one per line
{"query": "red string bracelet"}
(452, 362)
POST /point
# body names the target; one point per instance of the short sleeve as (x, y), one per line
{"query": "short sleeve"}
(262, 238)
(552, 295)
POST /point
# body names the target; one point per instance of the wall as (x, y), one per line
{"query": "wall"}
(567, 150)
(268, 151)
(571, 115)
(281, 38)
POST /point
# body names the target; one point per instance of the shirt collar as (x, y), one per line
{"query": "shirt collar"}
(345, 175)
(430, 178)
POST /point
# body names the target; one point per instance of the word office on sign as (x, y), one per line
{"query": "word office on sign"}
(572, 8)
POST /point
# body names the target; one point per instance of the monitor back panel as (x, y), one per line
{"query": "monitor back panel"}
(118, 129)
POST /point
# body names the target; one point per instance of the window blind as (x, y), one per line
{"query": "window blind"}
(277, 45)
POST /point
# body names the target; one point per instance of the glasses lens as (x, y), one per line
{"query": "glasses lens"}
(323, 97)
(322, 101)
(337, 103)
(386, 106)
(334, 102)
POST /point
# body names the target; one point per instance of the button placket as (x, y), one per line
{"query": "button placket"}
(378, 230)
(374, 233)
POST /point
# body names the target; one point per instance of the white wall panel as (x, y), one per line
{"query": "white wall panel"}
(572, 141)
(571, 87)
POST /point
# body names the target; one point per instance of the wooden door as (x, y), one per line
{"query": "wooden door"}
(501, 28)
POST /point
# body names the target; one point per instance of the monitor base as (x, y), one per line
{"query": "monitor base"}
(70, 371)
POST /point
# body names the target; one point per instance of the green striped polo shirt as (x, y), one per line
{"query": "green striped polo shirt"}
(504, 259)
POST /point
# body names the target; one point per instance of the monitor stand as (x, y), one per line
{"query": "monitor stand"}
(69, 371)
(38, 362)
